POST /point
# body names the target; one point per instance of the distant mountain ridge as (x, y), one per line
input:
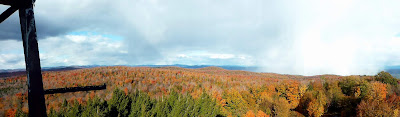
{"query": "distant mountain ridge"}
(13, 72)
(394, 70)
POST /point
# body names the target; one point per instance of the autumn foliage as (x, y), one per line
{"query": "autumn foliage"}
(137, 91)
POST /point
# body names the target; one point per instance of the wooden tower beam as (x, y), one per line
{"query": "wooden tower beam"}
(36, 101)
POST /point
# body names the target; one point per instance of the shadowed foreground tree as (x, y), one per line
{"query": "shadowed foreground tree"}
(139, 104)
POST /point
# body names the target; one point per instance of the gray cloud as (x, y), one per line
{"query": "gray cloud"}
(305, 37)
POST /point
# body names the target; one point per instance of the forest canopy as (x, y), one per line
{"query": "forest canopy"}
(174, 91)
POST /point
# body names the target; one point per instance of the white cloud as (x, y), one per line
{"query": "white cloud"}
(11, 54)
(81, 50)
(206, 58)
(77, 38)
(338, 37)
(11, 61)
(294, 37)
(67, 50)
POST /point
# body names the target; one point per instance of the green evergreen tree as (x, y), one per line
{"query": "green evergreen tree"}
(139, 104)
(160, 109)
(53, 113)
(178, 109)
(74, 110)
(95, 108)
(119, 104)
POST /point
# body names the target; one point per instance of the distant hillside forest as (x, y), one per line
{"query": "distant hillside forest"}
(210, 91)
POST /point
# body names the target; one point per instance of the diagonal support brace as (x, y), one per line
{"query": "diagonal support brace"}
(75, 89)
(7, 13)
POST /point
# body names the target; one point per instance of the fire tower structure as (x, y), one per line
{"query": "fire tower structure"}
(36, 100)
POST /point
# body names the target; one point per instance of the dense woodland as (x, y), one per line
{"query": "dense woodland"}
(210, 91)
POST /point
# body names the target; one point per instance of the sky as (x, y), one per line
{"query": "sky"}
(304, 37)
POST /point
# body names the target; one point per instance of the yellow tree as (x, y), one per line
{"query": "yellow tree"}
(317, 106)
(281, 107)
(378, 91)
(235, 103)
(291, 92)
